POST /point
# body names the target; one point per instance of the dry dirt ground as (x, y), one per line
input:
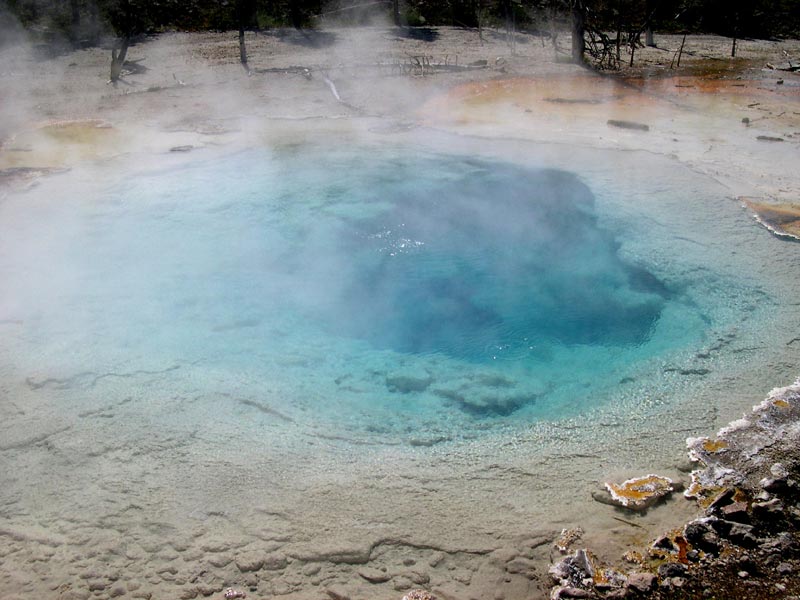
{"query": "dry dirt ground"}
(735, 120)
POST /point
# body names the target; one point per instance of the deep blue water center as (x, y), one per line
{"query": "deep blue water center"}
(497, 258)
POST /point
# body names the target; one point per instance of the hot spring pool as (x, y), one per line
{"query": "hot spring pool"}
(378, 290)
(296, 322)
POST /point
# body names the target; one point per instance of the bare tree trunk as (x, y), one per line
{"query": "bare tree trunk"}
(243, 48)
(679, 54)
(578, 31)
(479, 18)
(242, 15)
(118, 59)
(736, 17)
(619, 30)
(510, 25)
(650, 13)
(396, 12)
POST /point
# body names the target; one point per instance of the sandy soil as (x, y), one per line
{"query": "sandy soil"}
(721, 117)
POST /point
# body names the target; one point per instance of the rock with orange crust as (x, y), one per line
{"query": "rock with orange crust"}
(640, 493)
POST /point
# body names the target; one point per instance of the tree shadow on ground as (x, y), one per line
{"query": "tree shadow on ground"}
(501, 35)
(422, 34)
(309, 38)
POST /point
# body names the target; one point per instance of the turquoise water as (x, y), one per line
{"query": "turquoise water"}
(366, 290)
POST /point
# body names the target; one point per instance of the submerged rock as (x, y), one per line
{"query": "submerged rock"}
(407, 381)
(640, 493)
(628, 125)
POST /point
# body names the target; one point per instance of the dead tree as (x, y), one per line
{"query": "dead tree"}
(118, 59)
(243, 14)
(650, 9)
(125, 23)
(578, 11)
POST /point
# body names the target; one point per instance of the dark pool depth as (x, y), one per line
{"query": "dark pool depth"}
(496, 260)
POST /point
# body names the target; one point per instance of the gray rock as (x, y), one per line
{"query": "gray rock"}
(673, 569)
(676, 582)
(418, 578)
(436, 559)
(275, 562)
(209, 589)
(336, 592)
(664, 543)
(215, 545)
(779, 471)
(723, 499)
(97, 585)
(75, 595)
(641, 582)
(773, 485)
(736, 511)
(742, 535)
(405, 382)
(220, 560)
(768, 510)
(570, 592)
(521, 566)
(402, 583)
(249, 562)
(700, 535)
(374, 575)
(628, 125)
(784, 568)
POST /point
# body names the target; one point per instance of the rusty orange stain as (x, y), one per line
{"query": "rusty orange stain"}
(713, 446)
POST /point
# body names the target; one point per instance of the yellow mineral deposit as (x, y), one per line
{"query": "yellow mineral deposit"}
(702, 447)
(58, 144)
(567, 538)
(781, 219)
(640, 493)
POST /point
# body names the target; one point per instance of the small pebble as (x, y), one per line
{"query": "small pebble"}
(744, 574)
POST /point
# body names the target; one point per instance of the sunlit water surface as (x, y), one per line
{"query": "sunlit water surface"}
(379, 292)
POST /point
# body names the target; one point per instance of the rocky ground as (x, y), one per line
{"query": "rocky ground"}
(746, 544)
